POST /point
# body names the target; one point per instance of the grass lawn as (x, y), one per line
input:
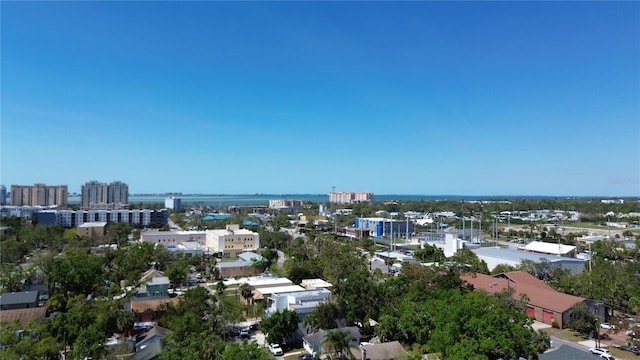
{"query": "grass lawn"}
(586, 226)
(293, 354)
(412, 247)
(565, 334)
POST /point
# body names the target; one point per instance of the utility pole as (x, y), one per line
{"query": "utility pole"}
(333, 211)
(464, 236)
(407, 228)
(391, 231)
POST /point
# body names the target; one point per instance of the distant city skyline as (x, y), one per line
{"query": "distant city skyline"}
(433, 98)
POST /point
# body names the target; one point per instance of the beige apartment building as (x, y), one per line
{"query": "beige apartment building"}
(281, 203)
(232, 241)
(350, 197)
(39, 195)
(96, 230)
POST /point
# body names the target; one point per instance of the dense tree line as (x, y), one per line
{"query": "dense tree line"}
(87, 292)
(584, 205)
(407, 308)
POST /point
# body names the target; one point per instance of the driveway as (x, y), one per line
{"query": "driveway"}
(565, 352)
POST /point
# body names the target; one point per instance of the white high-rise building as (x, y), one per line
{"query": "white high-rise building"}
(173, 203)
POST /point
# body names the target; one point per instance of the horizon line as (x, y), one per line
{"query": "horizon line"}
(382, 194)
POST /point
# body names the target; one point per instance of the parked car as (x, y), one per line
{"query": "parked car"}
(599, 351)
(633, 349)
(607, 356)
(306, 357)
(275, 349)
(244, 333)
(607, 326)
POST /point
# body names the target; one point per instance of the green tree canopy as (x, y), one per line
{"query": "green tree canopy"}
(280, 326)
(324, 316)
(337, 341)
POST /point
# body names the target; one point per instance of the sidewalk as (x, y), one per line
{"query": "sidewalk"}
(537, 325)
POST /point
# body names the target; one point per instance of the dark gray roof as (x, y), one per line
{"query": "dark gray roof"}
(157, 332)
(318, 337)
(565, 352)
(383, 351)
(150, 351)
(24, 297)
(249, 256)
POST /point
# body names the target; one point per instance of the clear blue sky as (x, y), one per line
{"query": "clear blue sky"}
(490, 98)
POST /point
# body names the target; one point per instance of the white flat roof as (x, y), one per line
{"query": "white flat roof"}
(549, 248)
(280, 289)
(375, 219)
(318, 283)
(232, 232)
(93, 224)
(393, 255)
(305, 295)
(260, 281)
(191, 245)
(169, 233)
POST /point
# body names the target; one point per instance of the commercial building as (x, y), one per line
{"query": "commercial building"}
(550, 248)
(232, 241)
(173, 203)
(188, 248)
(543, 303)
(93, 230)
(243, 267)
(449, 243)
(172, 238)
(350, 197)
(495, 256)
(382, 227)
(138, 218)
(105, 196)
(39, 195)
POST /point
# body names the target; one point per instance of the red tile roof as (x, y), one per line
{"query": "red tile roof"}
(539, 294)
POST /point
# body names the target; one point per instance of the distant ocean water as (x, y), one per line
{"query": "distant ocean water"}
(263, 199)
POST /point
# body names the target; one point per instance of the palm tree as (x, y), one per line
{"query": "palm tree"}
(245, 291)
(337, 341)
(220, 288)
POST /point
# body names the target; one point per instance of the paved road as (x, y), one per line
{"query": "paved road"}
(557, 342)
(281, 259)
(172, 225)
